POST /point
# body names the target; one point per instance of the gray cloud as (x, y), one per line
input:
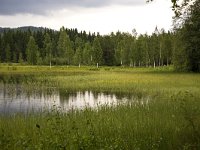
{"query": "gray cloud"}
(11, 7)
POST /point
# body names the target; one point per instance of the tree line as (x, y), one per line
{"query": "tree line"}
(180, 47)
(70, 47)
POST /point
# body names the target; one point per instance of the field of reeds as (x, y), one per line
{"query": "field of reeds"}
(165, 113)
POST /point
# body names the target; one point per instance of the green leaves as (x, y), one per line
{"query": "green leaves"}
(32, 52)
(189, 36)
(97, 51)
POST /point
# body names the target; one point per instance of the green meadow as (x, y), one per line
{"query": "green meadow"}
(164, 114)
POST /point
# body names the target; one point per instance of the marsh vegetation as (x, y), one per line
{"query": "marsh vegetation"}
(159, 108)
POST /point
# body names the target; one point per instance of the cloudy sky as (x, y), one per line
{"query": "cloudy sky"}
(102, 16)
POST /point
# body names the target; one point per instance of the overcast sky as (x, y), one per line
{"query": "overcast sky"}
(102, 16)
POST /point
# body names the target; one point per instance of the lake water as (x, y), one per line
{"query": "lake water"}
(15, 98)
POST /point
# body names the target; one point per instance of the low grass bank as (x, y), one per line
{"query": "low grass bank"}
(138, 81)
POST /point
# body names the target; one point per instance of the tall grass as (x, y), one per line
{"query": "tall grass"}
(160, 124)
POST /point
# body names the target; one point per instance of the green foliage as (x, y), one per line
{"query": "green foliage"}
(97, 51)
(8, 53)
(68, 46)
(32, 52)
(108, 48)
(190, 36)
(20, 58)
(65, 50)
(47, 48)
(179, 55)
(59, 47)
(78, 56)
(140, 50)
(87, 54)
(167, 48)
(78, 43)
(155, 48)
(62, 43)
(119, 53)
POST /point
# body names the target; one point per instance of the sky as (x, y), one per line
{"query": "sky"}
(103, 16)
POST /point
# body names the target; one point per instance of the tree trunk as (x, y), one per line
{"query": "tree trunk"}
(97, 65)
(91, 57)
(154, 64)
(79, 65)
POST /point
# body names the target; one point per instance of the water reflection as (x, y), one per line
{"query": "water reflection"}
(17, 98)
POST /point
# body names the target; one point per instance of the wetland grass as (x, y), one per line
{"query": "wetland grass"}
(170, 119)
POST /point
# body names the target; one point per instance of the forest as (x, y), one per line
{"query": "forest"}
(43, 46)
(70, 47)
